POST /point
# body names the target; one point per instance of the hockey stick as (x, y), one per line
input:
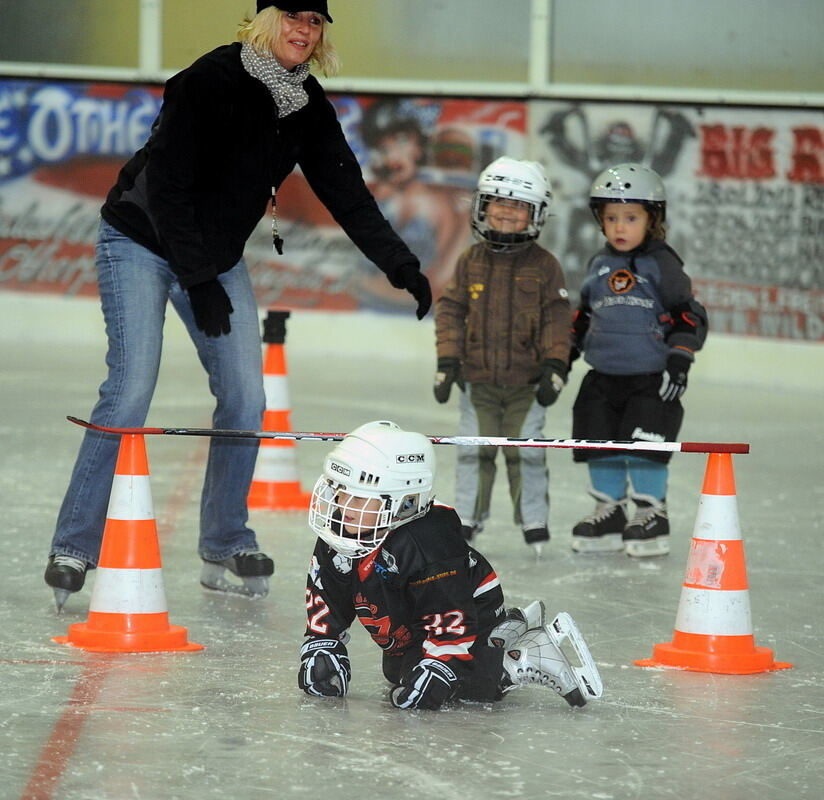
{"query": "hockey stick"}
(494, 441)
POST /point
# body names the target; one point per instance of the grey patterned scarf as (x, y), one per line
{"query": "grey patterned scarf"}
(285, 86)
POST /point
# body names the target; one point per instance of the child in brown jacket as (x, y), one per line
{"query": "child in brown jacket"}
(502, 330)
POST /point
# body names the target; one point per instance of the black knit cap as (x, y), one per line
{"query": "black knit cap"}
(296, 5)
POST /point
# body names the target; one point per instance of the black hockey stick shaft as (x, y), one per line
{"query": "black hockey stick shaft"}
(466, 441)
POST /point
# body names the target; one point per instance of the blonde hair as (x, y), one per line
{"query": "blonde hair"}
(262, 30)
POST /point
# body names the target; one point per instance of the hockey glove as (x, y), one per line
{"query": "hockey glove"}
(551, 381)
(409, 276)
(324, 668)
(211, 307)
(674, 379)
(449, 372)
(428, 686)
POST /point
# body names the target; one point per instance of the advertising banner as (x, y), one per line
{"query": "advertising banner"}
(745, 210)
(61, 145)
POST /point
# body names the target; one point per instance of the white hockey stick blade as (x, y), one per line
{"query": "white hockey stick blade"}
(563, 628)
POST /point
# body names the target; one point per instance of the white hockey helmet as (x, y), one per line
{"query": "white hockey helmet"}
(628, 183)
(376, 462)
(507, 179)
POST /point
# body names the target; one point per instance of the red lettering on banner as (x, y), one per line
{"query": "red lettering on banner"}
(808, 156)
(737, 152)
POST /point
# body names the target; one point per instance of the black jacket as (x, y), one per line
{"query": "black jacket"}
(195, 191)
(424, 593)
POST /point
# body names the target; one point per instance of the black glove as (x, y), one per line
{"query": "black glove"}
(409, 276)
(580, 325)
(574, 355)
(674, 379)
(551, 382)
(428, 686)
(449, 372)
(211, 306)
(324, 668)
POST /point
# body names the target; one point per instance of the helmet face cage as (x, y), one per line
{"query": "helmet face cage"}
(506, 180)
(628, 183)
(377, 479)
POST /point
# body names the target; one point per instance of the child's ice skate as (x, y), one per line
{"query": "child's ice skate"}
(648, 532)
(536, 538)
(516, 623)
(66, 575)
(253, 569)
(537, 657)
(470, 531)
(603, 530)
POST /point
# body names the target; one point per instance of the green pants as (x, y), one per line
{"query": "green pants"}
(488, 410)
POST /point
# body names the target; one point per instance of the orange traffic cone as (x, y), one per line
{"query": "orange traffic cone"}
(275, 484)
(127, 611)
(713, 627)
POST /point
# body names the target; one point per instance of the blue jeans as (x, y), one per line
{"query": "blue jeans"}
(134, 286)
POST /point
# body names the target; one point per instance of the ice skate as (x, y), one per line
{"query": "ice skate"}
(516, 623)
(603, 530)
(66, 575)
(537, 658)
(648, 533)
(253, 569)
(469, 532)
(536, 538)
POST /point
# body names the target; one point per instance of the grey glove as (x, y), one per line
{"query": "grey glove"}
(551, 381)
(449, 372)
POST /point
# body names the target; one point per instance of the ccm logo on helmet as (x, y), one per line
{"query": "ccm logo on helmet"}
(411, 458)
(340, 469)
(510, 179)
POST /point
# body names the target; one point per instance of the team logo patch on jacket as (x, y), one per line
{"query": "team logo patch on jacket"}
(621, 281)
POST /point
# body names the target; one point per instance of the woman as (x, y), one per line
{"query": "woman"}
(231, 128)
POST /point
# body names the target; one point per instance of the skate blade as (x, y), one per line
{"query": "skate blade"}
(563, 628)
(242, 590)
(538, 549)
(60, 597)
(647, 548)
(608, 543)
(213, 578)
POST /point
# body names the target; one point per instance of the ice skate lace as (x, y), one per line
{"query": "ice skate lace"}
(643, 514)
(602, 512)
(77, 564)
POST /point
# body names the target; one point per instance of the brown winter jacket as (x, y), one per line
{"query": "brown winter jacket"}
(503, 314)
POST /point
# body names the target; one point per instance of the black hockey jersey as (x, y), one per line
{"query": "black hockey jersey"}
(424, 591)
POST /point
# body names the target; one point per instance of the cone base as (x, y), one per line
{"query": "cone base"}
(278, 496)
(175, 638)
(759, 659)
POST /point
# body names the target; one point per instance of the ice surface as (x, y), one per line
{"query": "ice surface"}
(231, 722)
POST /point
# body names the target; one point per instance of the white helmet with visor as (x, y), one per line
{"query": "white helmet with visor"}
(377, 479)
(509, 181)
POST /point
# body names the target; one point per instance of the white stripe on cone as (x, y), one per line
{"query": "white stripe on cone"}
(128, 591)
(131, 498)
(717, 517)
(276, 389)
(714, 612)
(276, 464)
